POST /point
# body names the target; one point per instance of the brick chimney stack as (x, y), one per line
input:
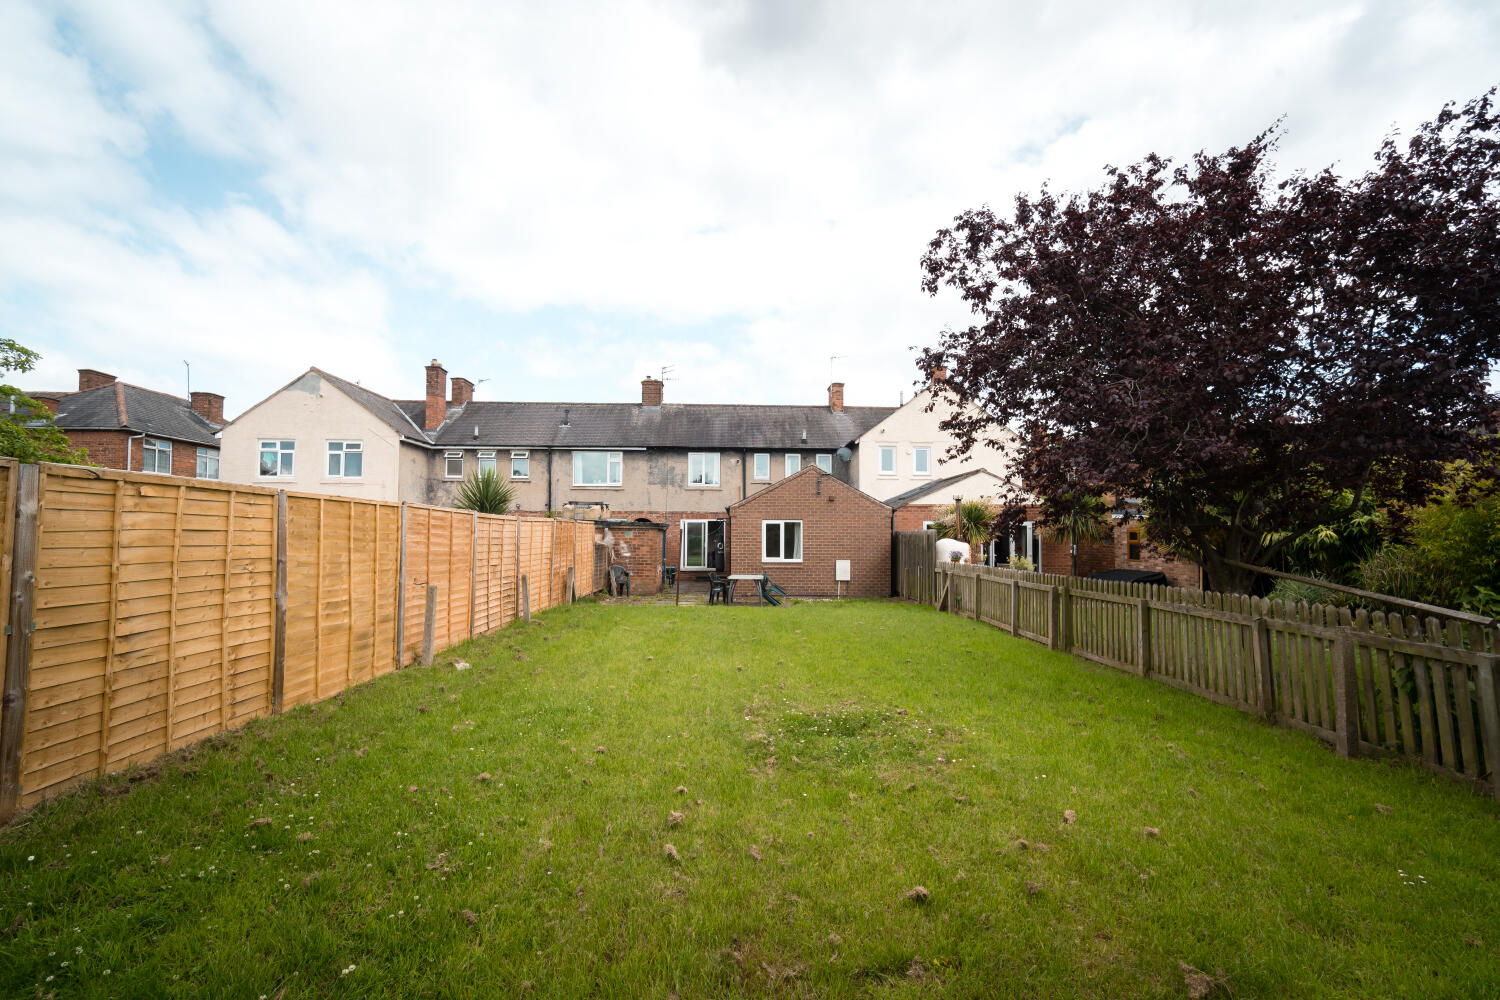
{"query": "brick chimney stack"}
(209, 406)
(651, 391)
(437, 396)
(836, 397)
(92, 378)
(463, 391)
(940, 374)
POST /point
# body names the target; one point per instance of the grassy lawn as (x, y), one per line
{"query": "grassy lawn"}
(504, 830)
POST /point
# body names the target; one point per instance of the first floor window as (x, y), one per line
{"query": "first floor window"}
(453, 465)
(781, 541)
(793, 463)
(1133, 545)
(487, 463)
(598, 468)
(695, 545)
(921, 460)
(208, 463)
(156, 456)
(703, 468)
(762, 465)
(887, 460)
(346, 459)
(520, 465)
(824, 462)
(276, 458)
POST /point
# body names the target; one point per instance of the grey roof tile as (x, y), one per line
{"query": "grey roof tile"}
(121, 406)
(388, 410)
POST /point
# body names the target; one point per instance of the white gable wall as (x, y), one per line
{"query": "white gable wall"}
(908, 429)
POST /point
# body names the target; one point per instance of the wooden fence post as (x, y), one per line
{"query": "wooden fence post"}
(573, 580)
(473, 566)
(1489, 717)
(1065, 617)
(428, 624)
(1345, 695)
(1054, 616)
(18, 648)
(525, 598)
(1142, 636)
(1015, 605)
(401, 593)
(974, 611)
(278, 654)
(1265, 675)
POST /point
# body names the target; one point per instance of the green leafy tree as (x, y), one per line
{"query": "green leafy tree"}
(26, 428)
(974, 523)
(487, 493)
(1077, 519)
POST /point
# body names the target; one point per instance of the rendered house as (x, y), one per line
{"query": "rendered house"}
(124, 426)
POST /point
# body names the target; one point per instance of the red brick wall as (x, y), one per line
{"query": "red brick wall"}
(1179, 572)
(910, 517)
(108, 448)
(638, 549)
(839, 523)
(1093, 557)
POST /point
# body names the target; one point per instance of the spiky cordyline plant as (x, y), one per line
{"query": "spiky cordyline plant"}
(486, 492)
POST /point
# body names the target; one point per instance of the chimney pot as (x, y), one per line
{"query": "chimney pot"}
(437, 396)
(651, 391)
(93, 378)
(463, 391)
(209, 406)
(836, 397)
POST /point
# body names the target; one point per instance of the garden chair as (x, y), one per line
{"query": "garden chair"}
(619, 580)
(769, 591)
(718, 588)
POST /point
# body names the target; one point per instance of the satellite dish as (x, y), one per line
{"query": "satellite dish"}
(844, 454)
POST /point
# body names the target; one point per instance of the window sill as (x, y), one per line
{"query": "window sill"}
(592, 486)
(781, 562)
(703, 486)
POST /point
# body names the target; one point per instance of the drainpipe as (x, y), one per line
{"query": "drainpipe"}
(744, 459)
(139, 437)
(549, 480)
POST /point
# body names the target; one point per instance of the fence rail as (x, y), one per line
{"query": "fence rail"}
(1369, 684)
(151, 612)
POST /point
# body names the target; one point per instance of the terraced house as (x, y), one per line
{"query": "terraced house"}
(679, 465)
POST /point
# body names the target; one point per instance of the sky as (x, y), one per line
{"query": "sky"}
(556, 200)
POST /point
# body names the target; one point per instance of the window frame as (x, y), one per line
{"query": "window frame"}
(156, 447)
(781, 540)
(343, 453)
(702, 459)
(818, 461)
(755, 473)
(204, 455)
(290, 470)
(683, 527)
(448, 457)
(788, 460)
(613, 461)
(880, 469)
(924, 450)
(520, 455)
(1133, 544)
(489, 456)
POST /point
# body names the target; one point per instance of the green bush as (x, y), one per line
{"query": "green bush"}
(486, 492)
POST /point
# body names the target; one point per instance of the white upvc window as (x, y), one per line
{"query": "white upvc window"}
(156, 456)
(598, 468)
(921, 460)
(762, 465)
(487, 463)
(453, 465)
(793, 463)
(278, 459)
(694, 545)
(824, 462)
(520, 465)
(926, 525)
(887, 460)
(703, 468)
(346, 459)
(208, 463)
(781, 541)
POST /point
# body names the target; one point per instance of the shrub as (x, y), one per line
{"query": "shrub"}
(486, 492)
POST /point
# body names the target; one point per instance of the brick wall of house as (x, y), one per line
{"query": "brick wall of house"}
(837, 523)
(1093, 557)
(910, 517)
(1179, 572)
(639, 549)
(109, 448)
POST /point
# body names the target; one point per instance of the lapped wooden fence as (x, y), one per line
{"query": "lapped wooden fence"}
(151, 612)
(1369, 684)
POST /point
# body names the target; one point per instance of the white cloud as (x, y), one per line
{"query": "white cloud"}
(769, 171)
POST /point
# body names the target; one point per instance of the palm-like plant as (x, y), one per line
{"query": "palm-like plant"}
(1082, 520)
(486, 492)
(974, 522)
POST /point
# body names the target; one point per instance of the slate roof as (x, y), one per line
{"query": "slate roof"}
(121, 406)
(714, 426)
(916, 493)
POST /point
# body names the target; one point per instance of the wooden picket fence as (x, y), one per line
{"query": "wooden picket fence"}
(148, 612)
(1369, 684)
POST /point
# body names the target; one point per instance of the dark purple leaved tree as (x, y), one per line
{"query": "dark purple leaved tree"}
(1239, 352)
